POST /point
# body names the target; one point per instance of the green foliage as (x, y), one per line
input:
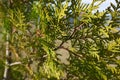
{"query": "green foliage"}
(35, 26)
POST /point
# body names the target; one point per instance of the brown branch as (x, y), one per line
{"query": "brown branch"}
(75, 30)
(77, 55)
(71, 36)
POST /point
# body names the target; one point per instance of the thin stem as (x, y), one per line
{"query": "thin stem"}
(6, 71)
(15, 63)
(70, 37)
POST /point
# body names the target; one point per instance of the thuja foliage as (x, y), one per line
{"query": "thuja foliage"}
(38, 30)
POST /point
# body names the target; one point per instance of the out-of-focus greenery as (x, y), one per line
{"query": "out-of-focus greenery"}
(40, 29)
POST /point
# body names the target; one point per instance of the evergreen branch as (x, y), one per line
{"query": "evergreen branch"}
(70, 37)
